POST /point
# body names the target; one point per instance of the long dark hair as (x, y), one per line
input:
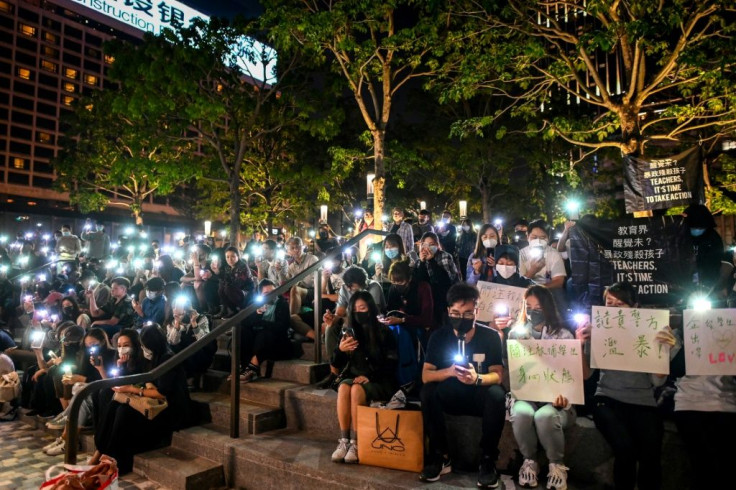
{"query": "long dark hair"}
(547, 302)
(365, 333)
(75, 307)
(395, 239)
(135, 361)
(622, 291)
(154, 339)
(480, 250)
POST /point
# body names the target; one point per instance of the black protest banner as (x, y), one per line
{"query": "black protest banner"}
(662, 183)
(654, 254)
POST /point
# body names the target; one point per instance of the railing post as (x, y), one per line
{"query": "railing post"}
(317, 316)
(235, 382)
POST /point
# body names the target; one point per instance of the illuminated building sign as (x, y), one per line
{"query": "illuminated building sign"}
(156, 15)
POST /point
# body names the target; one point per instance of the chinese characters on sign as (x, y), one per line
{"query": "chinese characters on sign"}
(709, 340)
(494, 295)
(540, 370)
(624, 339)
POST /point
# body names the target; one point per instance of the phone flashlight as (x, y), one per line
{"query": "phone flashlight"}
(501, 309)
(114, 372)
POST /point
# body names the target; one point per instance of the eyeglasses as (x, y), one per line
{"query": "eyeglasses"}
(468, 315)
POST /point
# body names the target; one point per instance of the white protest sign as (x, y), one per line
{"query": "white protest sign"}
(710, 342)
(624, 339)
(492, 295)
(541, 370)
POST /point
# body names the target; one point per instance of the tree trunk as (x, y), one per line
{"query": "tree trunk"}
(379, 183)
(485, 200)
(234, 211)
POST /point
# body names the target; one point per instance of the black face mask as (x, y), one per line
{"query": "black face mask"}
(363, 317)
(68, 311)
(462, 325)
(535, 316)
(323, 235)
(401, 289)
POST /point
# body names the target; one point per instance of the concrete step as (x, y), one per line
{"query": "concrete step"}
(214, 380)
(300, 371)
(254, 418)
(313, 411)
(264, 391)
(179, 470)
(221, 361)
(306, 351)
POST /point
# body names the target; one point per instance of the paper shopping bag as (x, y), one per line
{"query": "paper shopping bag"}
(390, 438)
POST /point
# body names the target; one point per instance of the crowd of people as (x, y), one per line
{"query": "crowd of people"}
(78, 309)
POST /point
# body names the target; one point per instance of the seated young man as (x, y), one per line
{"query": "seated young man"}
(463, 386)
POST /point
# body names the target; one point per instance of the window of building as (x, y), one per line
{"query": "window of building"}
(27, 30)
(6, 7)
(24, 73)
(71, 73)
(50, 52)
(90, 79)
(48, 80)
(49, 66)
(68, 100)
(50, 38)
(94, 53)
(44, 137)
(109, 59)
(69, 87)
(19, 163)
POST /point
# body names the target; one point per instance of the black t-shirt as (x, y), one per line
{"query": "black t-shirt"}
(443, 348)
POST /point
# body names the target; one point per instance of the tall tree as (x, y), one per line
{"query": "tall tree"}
(643, 72)
(111, 160)
(375, 47)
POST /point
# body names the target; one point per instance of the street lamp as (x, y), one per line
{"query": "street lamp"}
(369, 184)
(323, 213)
(463, 209)
(422, 205)
(207, 227)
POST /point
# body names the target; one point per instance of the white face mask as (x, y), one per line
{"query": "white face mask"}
(147, 353)
(490, 242)
(466, 228)
(122, 351)
(538, 242)
(505, 271)
(151, 295)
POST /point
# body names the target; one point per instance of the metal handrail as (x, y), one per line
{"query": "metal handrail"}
(72, 443)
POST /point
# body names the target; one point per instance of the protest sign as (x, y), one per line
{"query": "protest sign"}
(662, 183)
(540, 370)
(655, 255)
(710, 342)
(493, 295)
(624, 339)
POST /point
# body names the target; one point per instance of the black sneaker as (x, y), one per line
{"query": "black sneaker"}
(435, 469)
(487, 474)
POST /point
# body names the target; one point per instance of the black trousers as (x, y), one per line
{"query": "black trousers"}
(635, 435)
(701, 432)
(453, 397)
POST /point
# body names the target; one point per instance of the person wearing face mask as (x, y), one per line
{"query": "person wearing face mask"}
(124, 432)
(326, 239)
(402, 228)
(480, 263)
(423, 225)
(466, 242)
(265, 334)
(93, 363)
(186, 327)
(507, 270)
(153, 307)
(119, 310)
(458, 384)
(438, 268)
(540, 262)
(519, 238)
(447, 233)
(712, 267)
(392, 251)
(534, 422)
(71, 353)
(68, 247)
(366, 358)
(70, 312)
(96, 240)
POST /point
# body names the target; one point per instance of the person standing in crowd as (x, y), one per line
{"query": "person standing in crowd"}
(266, 263)
(185, 328)
(402, 228)
(540, 262)
(326, 239)
(68, 248)
(534, 422)
(519, 238)
(447, 233)
(97, 241)
(480, 263)
(454, 385)
(303, 291)
(712, 269)
(465, 245)
(422, 226)
(437, 267)
(367, 357)
(119, 310)
(625, 410)
(236, 283)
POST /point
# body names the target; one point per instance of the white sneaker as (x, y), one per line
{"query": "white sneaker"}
(58, 449)
(528, 474)
(342, 449)
(58, 423)
(352, 456)
(557, 476)
(53, 443)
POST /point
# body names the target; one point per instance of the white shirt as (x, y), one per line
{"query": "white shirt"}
(552, 262)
